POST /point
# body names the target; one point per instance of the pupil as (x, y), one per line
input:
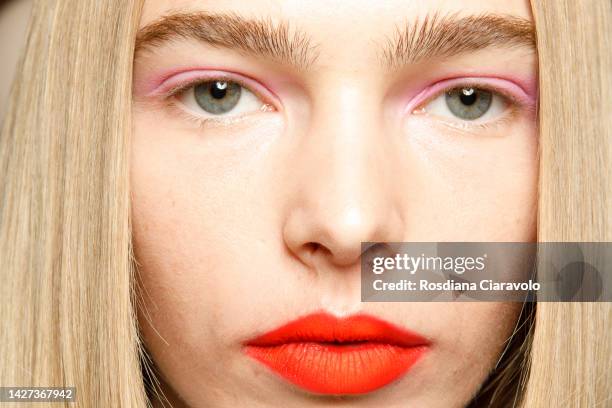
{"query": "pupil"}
(468, 96)
(218, 90)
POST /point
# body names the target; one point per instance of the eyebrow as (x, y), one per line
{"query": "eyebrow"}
(253, 36)
(434, 35)
(450, 35)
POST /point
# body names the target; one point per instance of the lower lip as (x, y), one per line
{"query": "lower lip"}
(338, 368)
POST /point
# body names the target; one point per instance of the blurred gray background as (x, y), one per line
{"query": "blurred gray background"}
(14, 15)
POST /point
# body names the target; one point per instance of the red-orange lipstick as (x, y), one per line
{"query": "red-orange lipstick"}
(325, 354)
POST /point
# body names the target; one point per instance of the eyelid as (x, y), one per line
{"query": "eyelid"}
(505, 88)
(181, 82)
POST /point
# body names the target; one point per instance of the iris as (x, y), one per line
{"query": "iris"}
(468, 103)
(217, 97)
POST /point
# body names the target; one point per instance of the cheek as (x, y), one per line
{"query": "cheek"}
(478, 187)
(195, 240)
(470, 339)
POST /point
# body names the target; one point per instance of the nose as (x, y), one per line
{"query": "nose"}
(342, 191)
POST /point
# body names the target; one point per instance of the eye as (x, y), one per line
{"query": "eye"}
(467, 103)
(219, 98)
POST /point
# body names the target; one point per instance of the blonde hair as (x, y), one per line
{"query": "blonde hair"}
(68, 298)
(570, 362)
(67, 311)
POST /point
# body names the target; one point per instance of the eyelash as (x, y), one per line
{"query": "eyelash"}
(170, 96)
(514, 104)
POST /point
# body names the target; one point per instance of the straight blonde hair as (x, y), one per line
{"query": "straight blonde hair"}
(67, 313)
(67, 310)
(570, 362)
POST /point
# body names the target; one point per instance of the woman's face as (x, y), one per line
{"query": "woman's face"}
(270, 139)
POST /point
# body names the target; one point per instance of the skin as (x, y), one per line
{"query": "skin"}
(243, 225)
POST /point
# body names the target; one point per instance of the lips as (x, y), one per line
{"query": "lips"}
(325, 354)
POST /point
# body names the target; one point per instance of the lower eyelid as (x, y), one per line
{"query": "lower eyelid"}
(179, 111)
(470, 127)
(510, 112)
(183, 112)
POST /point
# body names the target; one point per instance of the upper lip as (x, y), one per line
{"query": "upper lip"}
(322, 327)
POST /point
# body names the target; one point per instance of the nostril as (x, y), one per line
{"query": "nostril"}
(315, 248)
(312, 247)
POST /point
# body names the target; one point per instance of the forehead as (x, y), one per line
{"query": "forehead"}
(330, 20)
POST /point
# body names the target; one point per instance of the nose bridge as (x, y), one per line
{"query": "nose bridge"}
(343, 185)
(346, 136)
